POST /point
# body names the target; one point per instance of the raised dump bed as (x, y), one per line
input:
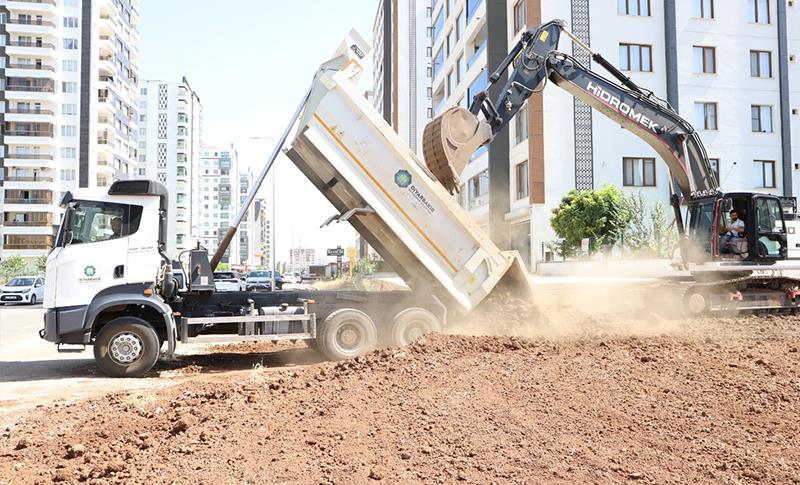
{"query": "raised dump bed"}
(366, 170)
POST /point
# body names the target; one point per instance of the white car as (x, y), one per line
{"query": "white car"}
(23, 289)
(228, 281)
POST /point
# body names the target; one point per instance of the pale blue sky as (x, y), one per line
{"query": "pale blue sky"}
(250, 62)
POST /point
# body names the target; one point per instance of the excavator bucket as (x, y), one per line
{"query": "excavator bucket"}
(449, 140)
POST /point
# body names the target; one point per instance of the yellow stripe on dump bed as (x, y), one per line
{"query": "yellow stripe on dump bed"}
(385, 192)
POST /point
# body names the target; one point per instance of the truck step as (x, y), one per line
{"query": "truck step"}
(62, 349)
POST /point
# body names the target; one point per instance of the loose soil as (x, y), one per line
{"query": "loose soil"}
(710, 400)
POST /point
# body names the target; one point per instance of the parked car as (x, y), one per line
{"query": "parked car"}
(262, 280)
(228, 281)
(23, 289)
(292, 277)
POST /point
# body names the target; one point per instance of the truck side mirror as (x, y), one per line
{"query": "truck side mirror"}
(726, 205)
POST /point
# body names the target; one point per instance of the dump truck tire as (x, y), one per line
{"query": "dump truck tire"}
(126, 347)
(346, 333)
(411, 324)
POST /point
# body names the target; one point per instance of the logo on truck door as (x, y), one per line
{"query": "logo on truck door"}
(89, 271)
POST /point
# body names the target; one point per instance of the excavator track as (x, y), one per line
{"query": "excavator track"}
(751, 294)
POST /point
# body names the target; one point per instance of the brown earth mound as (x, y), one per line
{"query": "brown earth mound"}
(712, 401)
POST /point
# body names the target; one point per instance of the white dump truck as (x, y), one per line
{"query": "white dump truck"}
(111, 285)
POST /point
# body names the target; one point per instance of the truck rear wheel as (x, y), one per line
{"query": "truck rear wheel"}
(346, 333)
(126, 347)
(411, 324)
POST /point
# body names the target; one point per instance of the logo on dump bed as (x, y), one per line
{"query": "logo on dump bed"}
(89, 271)
(402, 178)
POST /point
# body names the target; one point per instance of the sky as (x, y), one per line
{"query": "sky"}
(250, 62)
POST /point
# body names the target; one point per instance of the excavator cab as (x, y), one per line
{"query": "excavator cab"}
(713, 233)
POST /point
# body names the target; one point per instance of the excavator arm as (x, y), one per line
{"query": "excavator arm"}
(450, 139)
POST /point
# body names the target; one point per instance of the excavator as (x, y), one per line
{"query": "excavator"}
(754, 273)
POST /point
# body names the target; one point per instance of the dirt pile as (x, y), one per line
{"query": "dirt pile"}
(716, 400)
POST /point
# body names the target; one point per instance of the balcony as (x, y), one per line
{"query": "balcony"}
(26, 3)
(33, 45)
(38, 201)
(29, 223)
(30, 156)
(27, 26)
(19, 21)
(42, 133)
(16, 178)
(30, 111)
(30, 67)
(29, 88)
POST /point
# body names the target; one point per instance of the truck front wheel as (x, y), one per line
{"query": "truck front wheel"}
(346, 333)
(126, 347)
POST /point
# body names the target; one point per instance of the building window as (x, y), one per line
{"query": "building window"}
(438, 61)
(765, 173)
(703, 9)
(69, 130)
(636, 57)
(438, 23)
(758, 11)
(523, 181)
(639, 172)
(449, 84)
(761, 117)
(634, 7)
(705, 59)
(715, 167)
(521, 125)
(472, 7)
(69, 109)
(761, 64)
(68, 152)
(519, 16)
(460, 71)
(459, 25)
(70, 44)
(68, 175)
(705, 115)
(479, 190)
(69, 65)
(480, 84)
(71, 22)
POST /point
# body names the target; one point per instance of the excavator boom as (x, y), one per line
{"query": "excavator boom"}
(450, 139)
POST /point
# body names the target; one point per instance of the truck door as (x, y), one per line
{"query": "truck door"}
(94, 252)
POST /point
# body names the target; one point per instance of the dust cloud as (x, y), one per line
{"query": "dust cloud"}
(579, 307)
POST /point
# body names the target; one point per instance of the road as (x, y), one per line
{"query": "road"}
(32, 372)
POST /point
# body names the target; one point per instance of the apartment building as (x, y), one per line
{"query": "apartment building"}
(730, 69)
(67, 109)
(170, 130)
(262, 235)
(218, 189)
(301, 258)
(401, 85)
(245, 233)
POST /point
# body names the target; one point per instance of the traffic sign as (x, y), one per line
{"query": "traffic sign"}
(339, 252)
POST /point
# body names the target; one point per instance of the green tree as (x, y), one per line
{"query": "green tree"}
(12, 267)
(223, 267)
(364, 266)
(638, 233)
(664, 236)
(41, 264)
(601, 215)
